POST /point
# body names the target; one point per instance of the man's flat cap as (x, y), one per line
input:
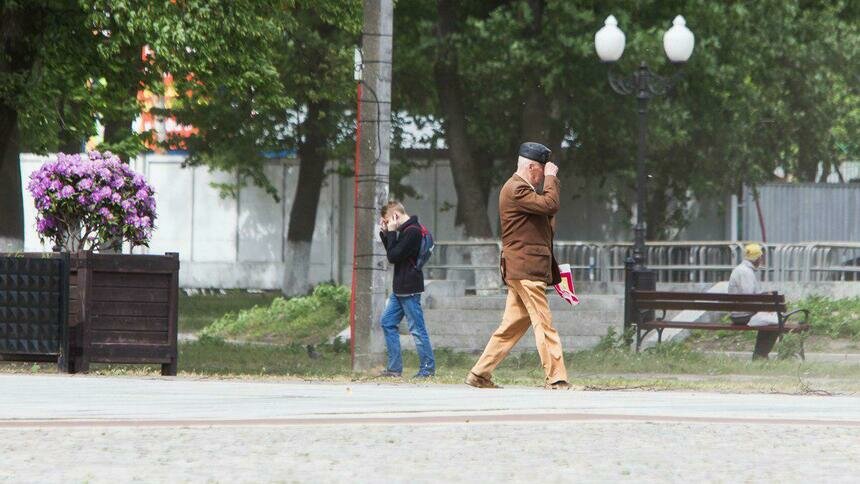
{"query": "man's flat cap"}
(535, 151)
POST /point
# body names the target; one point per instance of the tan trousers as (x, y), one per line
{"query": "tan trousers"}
(526, 305)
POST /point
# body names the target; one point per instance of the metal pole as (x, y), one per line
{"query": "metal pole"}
(642, 97)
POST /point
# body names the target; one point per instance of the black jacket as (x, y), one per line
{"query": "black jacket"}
(402, 247)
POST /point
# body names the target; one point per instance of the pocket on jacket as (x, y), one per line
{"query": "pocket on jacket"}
(537, 250)
(539, 260)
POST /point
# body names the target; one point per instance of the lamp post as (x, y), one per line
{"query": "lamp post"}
(645, 84)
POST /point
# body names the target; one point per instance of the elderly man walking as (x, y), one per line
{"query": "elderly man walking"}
(528, 267)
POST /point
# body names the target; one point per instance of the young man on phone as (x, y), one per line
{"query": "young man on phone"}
(402, 236)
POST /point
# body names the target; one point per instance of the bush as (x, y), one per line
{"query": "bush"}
(836, 318)
(92, 202)
(614, 341)
(310, 319)
(789, 346)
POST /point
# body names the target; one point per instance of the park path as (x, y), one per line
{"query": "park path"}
(117, 429)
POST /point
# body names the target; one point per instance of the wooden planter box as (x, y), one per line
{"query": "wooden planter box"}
(123, 309)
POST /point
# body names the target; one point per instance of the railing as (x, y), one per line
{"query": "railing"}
(476, 262)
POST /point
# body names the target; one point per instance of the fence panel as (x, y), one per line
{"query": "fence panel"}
(674, 262)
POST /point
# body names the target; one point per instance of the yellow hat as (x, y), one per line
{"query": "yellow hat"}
(752, 252)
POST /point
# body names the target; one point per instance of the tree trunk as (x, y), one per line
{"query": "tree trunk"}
(303, 214)
(16, 58)
(11, 201)
(471, 203)
(535, 120)
(69, 140)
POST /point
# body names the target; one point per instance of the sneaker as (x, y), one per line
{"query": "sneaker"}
(559, 385)
(389, 374)
(476, 381)
(420, 375)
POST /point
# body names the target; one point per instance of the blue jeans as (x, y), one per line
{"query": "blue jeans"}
(410, 306)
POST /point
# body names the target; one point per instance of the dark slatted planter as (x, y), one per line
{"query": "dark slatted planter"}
(123, 309)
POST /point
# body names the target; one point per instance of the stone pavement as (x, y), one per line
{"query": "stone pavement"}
(110, 429)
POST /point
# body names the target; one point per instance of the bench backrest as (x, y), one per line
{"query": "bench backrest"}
(709, 301)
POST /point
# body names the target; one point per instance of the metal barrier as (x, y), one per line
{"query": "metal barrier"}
(690, 262)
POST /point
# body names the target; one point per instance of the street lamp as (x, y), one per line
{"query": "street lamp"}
(678, 44)
(643, 83)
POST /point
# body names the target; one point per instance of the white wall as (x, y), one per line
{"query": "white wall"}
(222, 242)
(239, 242)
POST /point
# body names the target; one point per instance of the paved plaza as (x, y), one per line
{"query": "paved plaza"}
(119, 429)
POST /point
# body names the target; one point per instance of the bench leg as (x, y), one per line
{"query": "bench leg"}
(659, 335)
(638, 338)
(802, 353)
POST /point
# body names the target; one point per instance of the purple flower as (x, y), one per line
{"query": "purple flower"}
(103, 191)
(101, 194)
(67, 191)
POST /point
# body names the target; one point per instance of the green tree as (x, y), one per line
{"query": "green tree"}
(297, 93)
(44, 62)
(769, 84)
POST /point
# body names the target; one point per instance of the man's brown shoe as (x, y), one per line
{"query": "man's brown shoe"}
(559, 385)
(477, 381)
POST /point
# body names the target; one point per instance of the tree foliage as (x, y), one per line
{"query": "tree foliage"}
(770, 83)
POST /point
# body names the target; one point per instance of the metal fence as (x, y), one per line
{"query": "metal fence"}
(685, 262)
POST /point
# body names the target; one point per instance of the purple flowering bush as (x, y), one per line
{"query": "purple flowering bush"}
(92, 201)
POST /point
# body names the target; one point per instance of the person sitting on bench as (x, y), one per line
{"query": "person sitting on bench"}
(744, 280)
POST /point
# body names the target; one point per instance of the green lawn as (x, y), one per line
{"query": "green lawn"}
(198, 311)
(672, 367)
(686, 366)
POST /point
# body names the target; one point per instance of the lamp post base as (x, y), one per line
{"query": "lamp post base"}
(636, 278)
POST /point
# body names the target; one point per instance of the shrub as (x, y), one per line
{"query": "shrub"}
(789, 346)
(92, 201)
(836, 318)
(310, 319)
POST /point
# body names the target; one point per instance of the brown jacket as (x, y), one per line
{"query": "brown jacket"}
(527, 228)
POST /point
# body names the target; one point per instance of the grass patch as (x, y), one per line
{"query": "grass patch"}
(211, 356)
(312, 319)
(835, 327)
(201, 310)
(670, 367)
(836, 318)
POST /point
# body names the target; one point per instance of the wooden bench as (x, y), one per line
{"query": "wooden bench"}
(646, 305)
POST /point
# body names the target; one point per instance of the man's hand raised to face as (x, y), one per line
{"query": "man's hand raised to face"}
(550, 169)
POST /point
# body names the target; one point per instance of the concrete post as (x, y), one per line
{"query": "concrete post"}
(369, 263)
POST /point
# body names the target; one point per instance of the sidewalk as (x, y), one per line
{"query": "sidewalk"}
(110, 429)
